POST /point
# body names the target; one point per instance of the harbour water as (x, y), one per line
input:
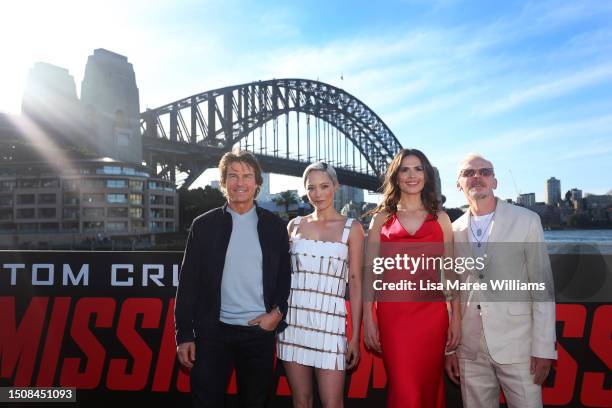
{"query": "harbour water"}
(603, 236)
(580, 241)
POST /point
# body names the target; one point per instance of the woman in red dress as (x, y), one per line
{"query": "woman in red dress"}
(413, 330)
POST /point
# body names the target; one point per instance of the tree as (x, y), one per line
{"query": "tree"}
(454, 213)
(305, 209)
(579, 220)
(197, 201)
(286, 198)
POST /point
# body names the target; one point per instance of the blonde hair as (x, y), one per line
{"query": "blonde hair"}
(320, 166)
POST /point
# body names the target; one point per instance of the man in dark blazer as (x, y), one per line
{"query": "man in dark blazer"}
(233, 290)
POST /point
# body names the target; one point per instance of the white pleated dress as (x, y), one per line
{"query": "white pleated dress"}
(316, 318)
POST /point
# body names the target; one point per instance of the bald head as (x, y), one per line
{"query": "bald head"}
(476, 178)
(473, 160)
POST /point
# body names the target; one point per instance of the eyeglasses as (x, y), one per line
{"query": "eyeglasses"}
(484, 172)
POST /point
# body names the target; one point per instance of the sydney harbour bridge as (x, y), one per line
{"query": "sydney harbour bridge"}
(286, 123)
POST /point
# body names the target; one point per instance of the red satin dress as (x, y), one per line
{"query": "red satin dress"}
(413, 330)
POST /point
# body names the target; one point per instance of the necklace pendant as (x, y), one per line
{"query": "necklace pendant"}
(479, 245)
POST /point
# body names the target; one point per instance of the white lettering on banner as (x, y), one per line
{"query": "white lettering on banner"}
(175, 275)
(50, 272)
(128, 282)
(154, 277)
(121, 275)
(13, 268)
(83, 275)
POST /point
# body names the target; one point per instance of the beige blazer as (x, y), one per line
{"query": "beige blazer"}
(516, 324)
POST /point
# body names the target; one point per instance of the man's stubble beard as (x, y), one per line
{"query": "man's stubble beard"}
(475, 195)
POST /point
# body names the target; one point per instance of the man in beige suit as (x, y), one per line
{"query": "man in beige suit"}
(508, 336)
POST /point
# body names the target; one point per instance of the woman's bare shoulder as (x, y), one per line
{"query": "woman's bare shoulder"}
(378, 219)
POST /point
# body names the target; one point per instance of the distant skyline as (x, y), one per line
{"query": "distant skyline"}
(527, 84)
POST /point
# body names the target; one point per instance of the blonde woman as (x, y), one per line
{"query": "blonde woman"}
(326, 253)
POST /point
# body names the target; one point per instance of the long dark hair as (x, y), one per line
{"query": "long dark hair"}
(392, 193)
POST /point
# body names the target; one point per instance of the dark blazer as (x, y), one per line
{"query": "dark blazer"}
(198, 297)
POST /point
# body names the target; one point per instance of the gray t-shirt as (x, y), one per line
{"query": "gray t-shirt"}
(242, 283)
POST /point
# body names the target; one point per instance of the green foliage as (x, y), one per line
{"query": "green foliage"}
(286, 199)
(454, 213)
(579, 220)
(197, 201)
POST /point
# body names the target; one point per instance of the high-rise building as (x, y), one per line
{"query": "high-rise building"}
(92, 188)
(264, 193)
(110, 98)
(552, 191)
(576, 194)
(526, 200)
(50, 102)
(599, 206)
(49, 89)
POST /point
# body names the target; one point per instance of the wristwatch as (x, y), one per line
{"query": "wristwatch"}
(277, 310)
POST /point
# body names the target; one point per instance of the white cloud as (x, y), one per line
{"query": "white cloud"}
(557, 131)
(549, 89)
(600, 147)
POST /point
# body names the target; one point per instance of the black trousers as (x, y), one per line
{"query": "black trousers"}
(248, 349)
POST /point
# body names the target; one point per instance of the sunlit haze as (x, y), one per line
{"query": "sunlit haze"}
(526, 84)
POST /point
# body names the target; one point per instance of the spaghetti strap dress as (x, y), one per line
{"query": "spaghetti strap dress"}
(316, 318)
(413, 331)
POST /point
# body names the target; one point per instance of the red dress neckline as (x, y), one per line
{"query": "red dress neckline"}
(429, 231)
(427, 218)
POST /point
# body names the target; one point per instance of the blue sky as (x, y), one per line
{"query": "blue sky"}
(527, 84)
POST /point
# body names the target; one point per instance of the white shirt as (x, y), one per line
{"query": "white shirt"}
(480, 224)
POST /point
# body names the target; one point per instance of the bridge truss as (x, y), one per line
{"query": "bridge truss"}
(287, 123)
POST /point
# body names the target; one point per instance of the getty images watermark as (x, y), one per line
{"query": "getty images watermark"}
(403, 263)
(432, 272)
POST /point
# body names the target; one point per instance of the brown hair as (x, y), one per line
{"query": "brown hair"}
(392, 193)
(239, 156)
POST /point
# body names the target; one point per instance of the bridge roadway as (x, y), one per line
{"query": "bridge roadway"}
(209, 156)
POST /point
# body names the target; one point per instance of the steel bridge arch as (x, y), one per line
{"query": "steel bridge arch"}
(230, 114)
